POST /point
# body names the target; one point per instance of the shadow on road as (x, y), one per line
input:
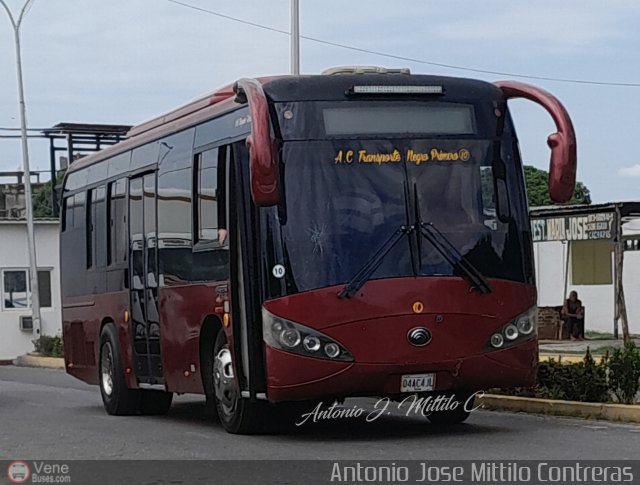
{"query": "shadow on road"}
(352, 429)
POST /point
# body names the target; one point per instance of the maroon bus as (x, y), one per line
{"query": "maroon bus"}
(304, 238)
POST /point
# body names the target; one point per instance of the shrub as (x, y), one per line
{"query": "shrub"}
(49, 346)
(583, 381)
(624, 373)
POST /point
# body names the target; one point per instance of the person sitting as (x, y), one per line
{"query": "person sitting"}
(573, 314)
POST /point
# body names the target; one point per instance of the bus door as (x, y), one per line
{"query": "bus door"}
(245, 275)
(143, 257)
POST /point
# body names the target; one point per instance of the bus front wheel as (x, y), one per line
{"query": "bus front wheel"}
(117, 398)
(453, 416)
(237, 415)
(155, 403)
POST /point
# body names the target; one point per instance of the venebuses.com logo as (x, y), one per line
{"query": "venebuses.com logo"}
(18, 472)
(38, 472)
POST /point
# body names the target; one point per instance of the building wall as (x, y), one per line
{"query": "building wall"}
(14, 255)
(631, 277)
(550, 258)
(12, 204)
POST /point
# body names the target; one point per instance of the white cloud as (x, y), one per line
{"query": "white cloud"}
(632, 171)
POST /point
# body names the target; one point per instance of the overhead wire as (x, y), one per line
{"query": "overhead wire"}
(406, 58)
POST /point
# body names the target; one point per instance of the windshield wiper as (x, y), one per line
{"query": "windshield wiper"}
(454, 257)
(368, 268)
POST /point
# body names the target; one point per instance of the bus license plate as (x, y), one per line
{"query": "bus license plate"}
(417, 382)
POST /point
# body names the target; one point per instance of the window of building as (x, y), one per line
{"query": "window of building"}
(15, 285)
(591, 262)
(44, 287)
(632, 245)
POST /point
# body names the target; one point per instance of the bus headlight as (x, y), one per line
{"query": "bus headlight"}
(332, 350)
(311, 343)
(520, 328)
(289, 336)
(511, 332)
(497, 340)
(526, 324)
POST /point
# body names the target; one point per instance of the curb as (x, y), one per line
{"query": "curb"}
(629, 413)
(30, 360)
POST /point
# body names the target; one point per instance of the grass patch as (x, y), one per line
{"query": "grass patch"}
(593, 334)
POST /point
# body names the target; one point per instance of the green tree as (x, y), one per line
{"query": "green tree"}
(42, 198)
(537, 182)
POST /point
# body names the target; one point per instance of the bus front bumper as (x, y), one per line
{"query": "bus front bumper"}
(292, 377)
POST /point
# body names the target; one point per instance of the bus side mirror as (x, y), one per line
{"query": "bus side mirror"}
(263, 158)
(562, 166)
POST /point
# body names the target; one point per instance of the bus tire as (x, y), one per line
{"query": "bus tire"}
(117, 398)
(454, 416)
(287, 415)
(237, 415)
(154, 403)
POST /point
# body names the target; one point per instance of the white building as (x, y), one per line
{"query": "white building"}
(14, 284)
(574, 249)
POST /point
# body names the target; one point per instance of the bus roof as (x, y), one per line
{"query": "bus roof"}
(336, 87)
(281, 89)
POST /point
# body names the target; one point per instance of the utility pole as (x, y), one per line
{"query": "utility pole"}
(295, 37)
(31, 242)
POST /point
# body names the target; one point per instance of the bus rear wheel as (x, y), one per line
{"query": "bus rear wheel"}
(237, 415)
(117, 398)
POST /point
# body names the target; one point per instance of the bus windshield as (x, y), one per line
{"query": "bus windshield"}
(343, 198)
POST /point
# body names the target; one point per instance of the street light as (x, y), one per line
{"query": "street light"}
(31, 242)
(295, 37)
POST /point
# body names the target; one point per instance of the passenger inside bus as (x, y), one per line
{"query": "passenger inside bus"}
(221, 198)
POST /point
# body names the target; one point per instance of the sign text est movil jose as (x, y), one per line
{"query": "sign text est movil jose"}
(574, 228)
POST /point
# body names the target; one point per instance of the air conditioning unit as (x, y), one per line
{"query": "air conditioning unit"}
(364, 70)
(26, 323)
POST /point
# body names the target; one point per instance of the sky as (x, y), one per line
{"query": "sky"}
(125, 61)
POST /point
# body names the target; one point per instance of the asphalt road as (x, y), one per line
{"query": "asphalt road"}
(46, 414)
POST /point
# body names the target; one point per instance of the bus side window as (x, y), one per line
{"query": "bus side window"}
(79, 221)
(72, 253)
(96, 228)
(90, 236)
(67, 221)
(117, 222)
(211, 257)
(206, 209)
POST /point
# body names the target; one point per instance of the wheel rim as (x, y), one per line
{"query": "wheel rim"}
(106, 369)
(224, 381)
